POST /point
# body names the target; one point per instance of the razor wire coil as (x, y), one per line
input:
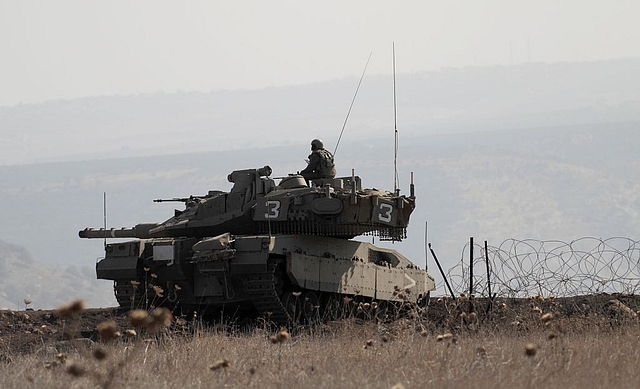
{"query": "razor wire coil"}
(523, 268)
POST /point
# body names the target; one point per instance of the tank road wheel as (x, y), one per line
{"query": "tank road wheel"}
(291, 302)
(311, 307)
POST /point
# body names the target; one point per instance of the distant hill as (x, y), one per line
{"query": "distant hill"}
(23, 278)
(531, 95)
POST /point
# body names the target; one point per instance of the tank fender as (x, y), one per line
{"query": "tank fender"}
(332, 275)
(219, 242)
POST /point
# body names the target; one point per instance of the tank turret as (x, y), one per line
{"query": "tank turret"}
(337, 207)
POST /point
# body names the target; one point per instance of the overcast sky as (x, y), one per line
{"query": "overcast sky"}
(66, 49)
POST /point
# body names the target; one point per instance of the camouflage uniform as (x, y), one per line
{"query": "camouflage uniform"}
(321, 165)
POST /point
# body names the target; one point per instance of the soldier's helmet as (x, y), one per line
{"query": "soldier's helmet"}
(316, 144)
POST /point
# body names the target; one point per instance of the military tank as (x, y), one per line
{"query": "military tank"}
(283, 251)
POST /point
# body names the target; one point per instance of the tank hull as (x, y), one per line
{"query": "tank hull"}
(280, 277)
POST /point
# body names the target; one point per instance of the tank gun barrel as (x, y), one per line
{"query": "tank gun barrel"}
(140, 231)
(179, 199)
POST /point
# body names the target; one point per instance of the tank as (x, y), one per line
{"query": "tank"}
(281, 251)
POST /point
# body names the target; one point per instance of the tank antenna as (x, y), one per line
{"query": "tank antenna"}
(395, 125)
(104, 215)
(426, 244)
(351, 106)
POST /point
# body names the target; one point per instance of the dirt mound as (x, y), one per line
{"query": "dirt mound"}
(31, 331)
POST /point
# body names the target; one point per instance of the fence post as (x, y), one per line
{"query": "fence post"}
(453, 296)
(486, 257)
(470, 266)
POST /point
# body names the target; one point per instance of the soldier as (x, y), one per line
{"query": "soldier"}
(321, 164)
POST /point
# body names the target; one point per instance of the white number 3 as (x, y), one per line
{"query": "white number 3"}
(386, 212)
(273, 210)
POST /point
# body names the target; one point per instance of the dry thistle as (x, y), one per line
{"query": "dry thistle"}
(71, 308)
(472, 317)
(27, 302)
(446, 336)
(130, 333)
(74, 369)
(398, 386)
(135, 284)
(280, 337)
(220, 363)
(536, 309)
(108, 330)
(547, 317)
(160, 317)
(158, 290)
(369, 342)
(99, 354)
(138, 317)
(530, 349)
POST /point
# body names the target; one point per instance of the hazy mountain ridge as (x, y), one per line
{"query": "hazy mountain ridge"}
(46, 286)
(530, 95)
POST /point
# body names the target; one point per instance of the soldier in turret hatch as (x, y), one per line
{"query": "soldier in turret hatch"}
(321, 164)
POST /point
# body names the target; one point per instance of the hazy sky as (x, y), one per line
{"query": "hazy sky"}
(65, 49)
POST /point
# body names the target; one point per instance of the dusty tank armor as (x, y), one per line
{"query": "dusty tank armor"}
(282, 251)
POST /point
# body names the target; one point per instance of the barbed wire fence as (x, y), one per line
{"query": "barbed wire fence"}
(523, 268)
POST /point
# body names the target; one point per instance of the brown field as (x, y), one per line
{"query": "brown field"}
(585, 342)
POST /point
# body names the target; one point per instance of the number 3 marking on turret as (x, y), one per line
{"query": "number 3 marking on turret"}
(273, 209)
(386, 212)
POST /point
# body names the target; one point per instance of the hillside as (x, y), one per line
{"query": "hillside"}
(24, 278)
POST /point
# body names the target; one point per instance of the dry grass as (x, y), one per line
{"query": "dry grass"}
(533, 351)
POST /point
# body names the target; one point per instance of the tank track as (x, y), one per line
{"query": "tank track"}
(127, 296)
(261, 287)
